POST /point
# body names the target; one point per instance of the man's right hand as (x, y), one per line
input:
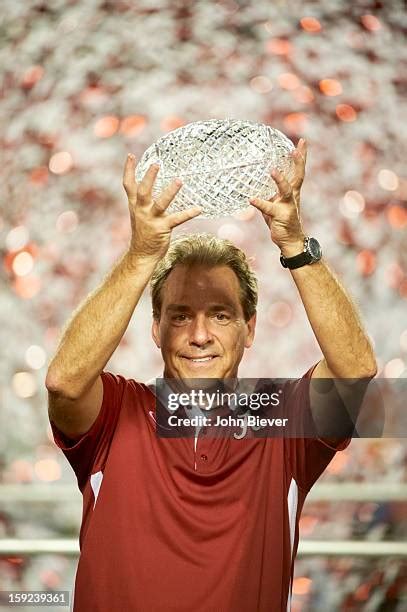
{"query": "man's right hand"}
(151, 226)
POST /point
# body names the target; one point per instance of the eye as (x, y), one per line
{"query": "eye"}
(221, 316)
(180, 318)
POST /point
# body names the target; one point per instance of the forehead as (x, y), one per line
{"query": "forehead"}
(198, 285)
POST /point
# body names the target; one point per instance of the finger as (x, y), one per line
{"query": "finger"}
(299, 163)
(146, 185)
(185, 215)
(302, 147)
(299, 157)
(166, 197)
(283, 185)
(129, 180)
(265, 206)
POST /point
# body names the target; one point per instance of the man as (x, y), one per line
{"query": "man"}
(204, 524)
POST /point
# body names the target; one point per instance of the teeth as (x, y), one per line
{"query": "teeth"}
(202, 359)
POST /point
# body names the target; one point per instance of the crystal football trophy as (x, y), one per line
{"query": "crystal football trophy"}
(221, 162)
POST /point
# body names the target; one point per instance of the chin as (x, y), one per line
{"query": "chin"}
(201, 371)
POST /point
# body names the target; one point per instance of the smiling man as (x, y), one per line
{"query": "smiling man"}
(197, 524)
(199, 322)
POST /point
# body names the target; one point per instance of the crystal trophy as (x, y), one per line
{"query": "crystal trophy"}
(221, 162)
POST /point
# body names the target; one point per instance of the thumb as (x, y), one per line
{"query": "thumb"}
(264, 206)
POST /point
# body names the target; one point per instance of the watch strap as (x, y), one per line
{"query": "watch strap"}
(297, 261)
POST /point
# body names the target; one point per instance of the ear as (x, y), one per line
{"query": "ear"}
(155, 332)
(251, 326)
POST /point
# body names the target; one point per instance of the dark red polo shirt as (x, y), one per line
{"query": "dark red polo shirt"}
(170, 525)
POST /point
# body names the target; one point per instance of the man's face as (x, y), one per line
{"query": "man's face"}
(202, 332)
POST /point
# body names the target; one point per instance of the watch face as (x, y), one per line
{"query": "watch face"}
(314, 248)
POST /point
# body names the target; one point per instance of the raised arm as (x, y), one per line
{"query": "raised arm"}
(92, 334)
(348, 357)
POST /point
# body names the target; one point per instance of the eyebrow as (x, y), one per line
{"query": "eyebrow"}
(212, 307)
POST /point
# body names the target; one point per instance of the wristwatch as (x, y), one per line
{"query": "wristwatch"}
(312, 252)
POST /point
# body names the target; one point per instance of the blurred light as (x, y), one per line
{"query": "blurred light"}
(397, 216)
(288, 80)
(35, 356)
(371, 22)
(61, 162)
(352, 205)
(280, 314)
(23, 263)
(67, 222)
(295, 122)
(22, 470)
(132, 125)
(403, 340)
(345, 112)
(27, 287)
(301, 585)
(394, 368)
(172, 122)
(24, 384)
(32, 76)
(388, 179)
(47, 469)
(366, 262)
(106, 126)
(330, 87)
(310, 24)
(30, 247)
(279, 46)
(261, 84)
(39, 176)
(303, 94)
(17, 238)
(232, 232)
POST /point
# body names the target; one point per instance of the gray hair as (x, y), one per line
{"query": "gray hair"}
(207, 250)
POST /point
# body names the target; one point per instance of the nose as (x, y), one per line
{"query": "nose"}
(200, 334)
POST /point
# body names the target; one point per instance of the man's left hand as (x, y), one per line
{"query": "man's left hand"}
(282, 212)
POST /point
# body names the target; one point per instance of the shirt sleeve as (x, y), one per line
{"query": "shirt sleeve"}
(91, 448)
(308, 456)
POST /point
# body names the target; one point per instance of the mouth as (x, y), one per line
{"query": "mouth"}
(199, 360)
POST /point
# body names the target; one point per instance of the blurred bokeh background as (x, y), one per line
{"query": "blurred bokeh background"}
(83, 84)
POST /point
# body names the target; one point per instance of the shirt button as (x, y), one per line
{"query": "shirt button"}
(204, 457)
